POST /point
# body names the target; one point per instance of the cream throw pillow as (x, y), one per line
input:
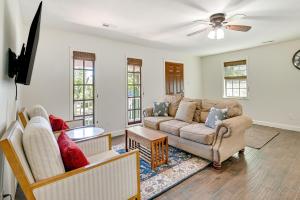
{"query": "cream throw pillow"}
(38, 110)
(186, 111)
(41, 149)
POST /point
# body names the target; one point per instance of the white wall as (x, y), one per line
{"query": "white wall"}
(50, 84)
(274, 83)
(11, 36)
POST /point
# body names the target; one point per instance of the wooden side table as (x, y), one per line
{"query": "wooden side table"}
(153, 146)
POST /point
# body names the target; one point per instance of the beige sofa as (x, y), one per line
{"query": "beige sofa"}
(217, 144)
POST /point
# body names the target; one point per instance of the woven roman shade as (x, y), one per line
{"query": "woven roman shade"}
(134, 61)
(235, 63)
(77, 55)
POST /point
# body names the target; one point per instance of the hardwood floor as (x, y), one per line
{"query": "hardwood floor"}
(272, 172)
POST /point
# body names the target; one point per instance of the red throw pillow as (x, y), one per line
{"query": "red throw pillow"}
(71, 154)
(57, 123)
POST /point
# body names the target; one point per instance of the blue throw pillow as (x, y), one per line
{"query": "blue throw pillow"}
(215, 117)
(160, 109)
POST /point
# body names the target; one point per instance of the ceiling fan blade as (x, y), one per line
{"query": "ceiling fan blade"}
(242, 28)
(201, 21)
(197, 32)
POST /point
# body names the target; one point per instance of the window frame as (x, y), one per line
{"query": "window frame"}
(224, 80)
(83, 86)
(138, 122)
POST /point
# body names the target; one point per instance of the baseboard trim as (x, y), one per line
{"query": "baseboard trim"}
(117, 133)
(277, 125)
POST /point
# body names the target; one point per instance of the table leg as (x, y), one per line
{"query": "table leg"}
(167, 149)
(126, 140)
(152, 155)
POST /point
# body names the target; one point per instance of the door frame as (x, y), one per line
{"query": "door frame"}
(96, 94)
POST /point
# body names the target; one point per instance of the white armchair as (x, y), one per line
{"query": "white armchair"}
(109, 176)
(23, 117)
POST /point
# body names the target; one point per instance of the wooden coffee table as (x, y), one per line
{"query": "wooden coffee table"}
(153, 146)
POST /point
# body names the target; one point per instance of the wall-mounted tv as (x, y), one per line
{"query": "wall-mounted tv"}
(21, 67)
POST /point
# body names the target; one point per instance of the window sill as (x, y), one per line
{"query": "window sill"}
(237, 98)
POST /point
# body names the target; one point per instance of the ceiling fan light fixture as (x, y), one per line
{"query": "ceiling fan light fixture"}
(220, 34)
(212, 35)
(216, 34)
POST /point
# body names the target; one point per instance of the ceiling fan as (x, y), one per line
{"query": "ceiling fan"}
(217, 23)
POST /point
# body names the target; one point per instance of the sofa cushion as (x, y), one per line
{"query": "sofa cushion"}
(41, 149)
(186, 111)
(197, 115)
(215, 117)
(161, 109)
(203, 117)
(153, 122)
(198, 133)
(174, 101)
(38, 110)
(172, 126)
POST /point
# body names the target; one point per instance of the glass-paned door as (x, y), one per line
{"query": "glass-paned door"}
(134, 91)
(84, 90)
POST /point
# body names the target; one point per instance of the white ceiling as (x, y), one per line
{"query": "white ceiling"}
(165, 23)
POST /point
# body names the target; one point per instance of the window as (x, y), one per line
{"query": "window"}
(84, 87)
(134, 90)
(174, 78)
(235, 79)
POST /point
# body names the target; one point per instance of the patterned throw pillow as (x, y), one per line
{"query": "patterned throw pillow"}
(215, 117)
(160, 109)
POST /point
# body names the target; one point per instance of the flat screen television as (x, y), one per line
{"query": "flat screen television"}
(21, 67)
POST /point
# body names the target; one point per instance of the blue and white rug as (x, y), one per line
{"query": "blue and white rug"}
(181, 165)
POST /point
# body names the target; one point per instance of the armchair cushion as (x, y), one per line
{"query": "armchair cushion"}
(38, 110)
(71, 154)
(57, 123)
(41, 149)
(102, 157)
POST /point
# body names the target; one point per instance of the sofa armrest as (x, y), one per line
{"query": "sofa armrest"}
(117, 178)
(230, 138)
(96, 145)
(234, 125)
(148, 112)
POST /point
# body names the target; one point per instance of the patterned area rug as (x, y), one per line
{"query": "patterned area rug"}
(181, 165)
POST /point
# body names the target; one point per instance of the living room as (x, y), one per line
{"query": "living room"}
(106, 64)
